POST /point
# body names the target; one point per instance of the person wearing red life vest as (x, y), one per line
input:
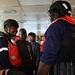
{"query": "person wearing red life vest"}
(58, 41)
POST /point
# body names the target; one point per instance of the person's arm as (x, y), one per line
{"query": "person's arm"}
(43, 69)
(4, 72)
(1, 71)
(51, 48)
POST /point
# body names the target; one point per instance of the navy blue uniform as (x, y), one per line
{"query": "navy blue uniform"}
(4, 59)
(53, 41)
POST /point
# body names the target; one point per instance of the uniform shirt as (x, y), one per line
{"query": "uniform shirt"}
(53, 42)
(4, 58)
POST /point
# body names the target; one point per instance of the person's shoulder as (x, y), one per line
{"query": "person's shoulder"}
(2, 35)
(57, 25)
(3, 39)
(36, 43)
(58, 22)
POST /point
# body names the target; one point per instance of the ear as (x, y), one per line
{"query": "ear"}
(56, 15)
(7, 28)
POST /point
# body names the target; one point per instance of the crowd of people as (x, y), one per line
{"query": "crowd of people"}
(53, 56)
(29, 50)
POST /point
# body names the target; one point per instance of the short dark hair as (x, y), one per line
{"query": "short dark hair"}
(32, 34)
(11, 22)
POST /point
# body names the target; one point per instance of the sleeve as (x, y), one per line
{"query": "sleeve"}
(52, 44)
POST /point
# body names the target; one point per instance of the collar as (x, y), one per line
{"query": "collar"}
(66, 18)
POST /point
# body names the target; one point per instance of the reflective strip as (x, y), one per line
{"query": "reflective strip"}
(69, 12)
(65, 6)
(5, 49)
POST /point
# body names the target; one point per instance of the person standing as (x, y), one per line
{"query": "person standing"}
(59, 40)
(35, 47)
(26, 53)
(10, 28)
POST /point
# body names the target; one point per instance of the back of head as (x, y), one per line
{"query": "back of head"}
(11, 22)
(61, 8)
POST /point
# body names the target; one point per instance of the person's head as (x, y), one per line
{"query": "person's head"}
(59, 9)
(31, 36)
(10, 27)
(23, 33)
